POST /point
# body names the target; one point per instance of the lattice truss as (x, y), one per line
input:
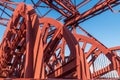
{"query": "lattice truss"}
(41, 45)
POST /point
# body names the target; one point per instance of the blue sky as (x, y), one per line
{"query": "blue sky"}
(105, 27)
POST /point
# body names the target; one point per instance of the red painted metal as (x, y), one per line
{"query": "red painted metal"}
(37, 47)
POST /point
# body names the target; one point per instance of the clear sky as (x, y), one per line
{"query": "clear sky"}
(105, 27)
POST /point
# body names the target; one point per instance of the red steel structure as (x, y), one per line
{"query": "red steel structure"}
(38, 47)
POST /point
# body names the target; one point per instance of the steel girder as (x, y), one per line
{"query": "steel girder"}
(43, 48)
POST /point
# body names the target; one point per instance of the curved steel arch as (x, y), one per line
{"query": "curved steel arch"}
(96, 46)
(36, 48)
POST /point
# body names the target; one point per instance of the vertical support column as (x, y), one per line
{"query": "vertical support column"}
(82, 64)
(32, 24)
(39, 67)
(29, 50)
(87, 68)
(78, 68)
(118, 65)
